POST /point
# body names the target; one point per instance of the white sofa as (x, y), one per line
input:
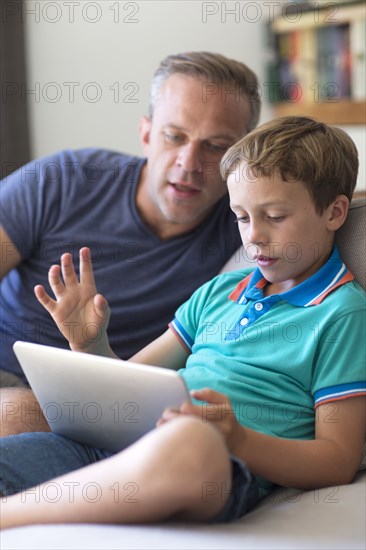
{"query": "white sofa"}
(331, 518)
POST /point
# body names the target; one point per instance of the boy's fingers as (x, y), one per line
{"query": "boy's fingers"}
(209, 395)
(101, 306)
(68, 271)
(189, 408)
(44, 298)
(54, 279)
(86, 267)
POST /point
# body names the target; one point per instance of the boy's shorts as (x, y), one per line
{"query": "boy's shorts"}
(31, 459)
(243, 496)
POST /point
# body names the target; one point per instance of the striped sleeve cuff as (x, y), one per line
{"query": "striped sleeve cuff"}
(181, 334)
(342, 391)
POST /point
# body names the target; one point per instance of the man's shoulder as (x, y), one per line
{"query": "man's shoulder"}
(92, 155)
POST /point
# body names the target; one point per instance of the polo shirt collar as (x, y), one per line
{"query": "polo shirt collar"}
(310, 292)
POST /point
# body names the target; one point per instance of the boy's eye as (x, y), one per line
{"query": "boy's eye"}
(276, 218)
(242, 219)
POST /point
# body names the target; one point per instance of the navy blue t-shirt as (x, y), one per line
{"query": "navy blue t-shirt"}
(87, 198)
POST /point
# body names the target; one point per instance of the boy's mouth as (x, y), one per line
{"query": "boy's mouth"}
(265, 261)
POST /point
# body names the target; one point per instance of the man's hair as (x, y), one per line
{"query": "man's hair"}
(297, 148)
(214, 69)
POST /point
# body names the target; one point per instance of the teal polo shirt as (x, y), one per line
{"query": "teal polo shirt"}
(280, 356)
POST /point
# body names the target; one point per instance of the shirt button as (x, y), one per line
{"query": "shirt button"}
(258, 306)
(244, 321)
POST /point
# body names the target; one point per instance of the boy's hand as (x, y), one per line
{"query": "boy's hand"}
(80, 313)
(217, 409)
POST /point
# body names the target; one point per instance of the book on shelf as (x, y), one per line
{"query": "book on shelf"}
(319, 64)
(306, 66)
(333, 62)
(358, 58)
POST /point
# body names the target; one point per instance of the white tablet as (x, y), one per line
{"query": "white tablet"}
(105, 403)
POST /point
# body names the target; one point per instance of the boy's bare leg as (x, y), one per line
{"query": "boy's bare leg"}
(20, 412)
(163, 475)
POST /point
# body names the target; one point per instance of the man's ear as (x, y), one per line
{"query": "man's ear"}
(338, 211)
(144, 131)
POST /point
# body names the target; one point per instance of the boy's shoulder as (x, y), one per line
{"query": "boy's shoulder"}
(230, 279)
(346, 297)
(349, 296)
(221, 285)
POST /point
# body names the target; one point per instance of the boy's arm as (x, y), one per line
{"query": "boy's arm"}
(81, 314)
(165, 351)
(332, 458)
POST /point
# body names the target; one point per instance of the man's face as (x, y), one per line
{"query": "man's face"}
(280, 227)
(192, 126)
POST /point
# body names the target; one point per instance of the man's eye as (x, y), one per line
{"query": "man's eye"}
(276, 218)
(217, 148)
(242, 219)
(174, 138)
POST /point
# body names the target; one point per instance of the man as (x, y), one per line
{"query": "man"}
(157, 228)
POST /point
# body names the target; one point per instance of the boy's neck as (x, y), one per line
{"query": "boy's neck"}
(275, 288)
(283, 286)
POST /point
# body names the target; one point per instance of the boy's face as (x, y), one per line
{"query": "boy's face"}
(279, 227)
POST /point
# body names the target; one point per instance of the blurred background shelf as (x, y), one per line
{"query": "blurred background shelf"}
(345, 111)
(317, 61)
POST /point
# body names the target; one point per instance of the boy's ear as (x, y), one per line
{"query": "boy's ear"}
(144, 131)
(338, 211)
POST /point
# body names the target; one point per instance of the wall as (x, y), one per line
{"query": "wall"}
(91, 62)
(90, 80)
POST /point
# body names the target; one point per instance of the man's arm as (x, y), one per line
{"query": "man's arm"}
(9, 256)
(20, 412)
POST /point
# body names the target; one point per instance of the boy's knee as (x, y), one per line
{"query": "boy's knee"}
(20, 412)
(205, 468)
(205, 446)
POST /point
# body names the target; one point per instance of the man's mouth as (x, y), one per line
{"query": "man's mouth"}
(183, 188)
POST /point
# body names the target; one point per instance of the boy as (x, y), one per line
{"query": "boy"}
(271, 345)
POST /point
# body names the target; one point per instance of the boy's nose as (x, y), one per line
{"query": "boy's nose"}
(256, 234)
(189, 158)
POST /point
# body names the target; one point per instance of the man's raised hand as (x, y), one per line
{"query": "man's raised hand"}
(81, 314)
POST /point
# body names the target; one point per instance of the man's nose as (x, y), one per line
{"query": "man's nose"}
(190, 157)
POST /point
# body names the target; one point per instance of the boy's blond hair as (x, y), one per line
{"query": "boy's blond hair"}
(298, 148)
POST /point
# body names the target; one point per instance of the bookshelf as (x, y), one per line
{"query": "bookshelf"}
(317, 65)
